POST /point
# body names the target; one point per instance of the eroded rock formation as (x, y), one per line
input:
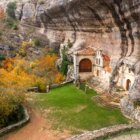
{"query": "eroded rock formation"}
(112, 26)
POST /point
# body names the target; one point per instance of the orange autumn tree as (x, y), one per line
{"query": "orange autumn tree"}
(2, 13)
(14, 75)
(46, 67)
(8, 64)
(18, 74)
(47, 62)
(13, 84)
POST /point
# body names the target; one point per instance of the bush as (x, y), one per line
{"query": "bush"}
(10, 20)
(16, 116)
(36, 42)
(2, 57)
(10, 102)
(22, 52)
(41, 86)
(59, 78)
(69, 44)
(15, 26)
(64, 64)
(11, 7)
(1, 33)
(11, 23)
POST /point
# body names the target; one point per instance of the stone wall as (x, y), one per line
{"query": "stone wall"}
(17, 125)
(104, 132)
(61, 84)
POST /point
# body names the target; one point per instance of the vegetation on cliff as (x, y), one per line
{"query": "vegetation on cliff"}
(23, 69)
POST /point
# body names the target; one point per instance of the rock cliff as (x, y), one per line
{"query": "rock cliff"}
(112, 25)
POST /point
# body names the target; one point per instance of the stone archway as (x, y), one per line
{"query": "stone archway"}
(128, 84)
(85, 65)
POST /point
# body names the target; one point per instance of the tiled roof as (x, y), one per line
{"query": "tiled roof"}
(86, 51)
(106, 57)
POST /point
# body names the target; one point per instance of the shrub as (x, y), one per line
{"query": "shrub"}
(11, 7)
(11, 23)
(59, 78)
(1, 33)
(10, 101)
(69, 44)
(2, 57)
(26, 44)
(64, 64)
(15, 26)
(41, 85)
(22, 52)
(10, 19)
(36, 42)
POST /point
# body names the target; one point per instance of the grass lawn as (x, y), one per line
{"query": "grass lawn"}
(70, 108)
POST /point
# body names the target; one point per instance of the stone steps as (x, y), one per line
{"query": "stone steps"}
(104, 103)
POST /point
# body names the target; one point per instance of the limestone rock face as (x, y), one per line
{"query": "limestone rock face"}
(28, 11)
(111, 25)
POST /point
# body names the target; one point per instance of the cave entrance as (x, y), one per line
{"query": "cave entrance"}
(128, 84)
(85, 65)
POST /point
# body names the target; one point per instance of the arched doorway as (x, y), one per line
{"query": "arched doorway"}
(128, 84)
(85, 65)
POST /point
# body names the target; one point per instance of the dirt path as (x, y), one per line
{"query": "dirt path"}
(37, 129)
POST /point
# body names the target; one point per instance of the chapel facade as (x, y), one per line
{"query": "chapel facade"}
(95, 63)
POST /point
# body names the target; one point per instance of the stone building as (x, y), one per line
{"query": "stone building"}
(126, 77)
(83, 63)
(102, 68)
(95, 63)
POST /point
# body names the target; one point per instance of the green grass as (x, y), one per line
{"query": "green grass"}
(70, 108)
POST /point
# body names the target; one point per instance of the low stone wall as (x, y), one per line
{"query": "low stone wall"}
(104, 132)
(61, 84)
(17, 125)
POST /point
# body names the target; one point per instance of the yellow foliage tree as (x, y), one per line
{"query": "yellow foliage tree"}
(59, 78)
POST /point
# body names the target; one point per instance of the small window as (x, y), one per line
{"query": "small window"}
(129, 70)
(99, 61)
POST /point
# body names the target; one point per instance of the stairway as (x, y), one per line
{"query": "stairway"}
(104, 98)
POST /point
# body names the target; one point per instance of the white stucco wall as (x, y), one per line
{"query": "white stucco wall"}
(124, 75)
(82, 75)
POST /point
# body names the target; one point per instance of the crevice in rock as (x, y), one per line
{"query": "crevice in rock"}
(128, 25)
(46, 19)
(69, 20)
